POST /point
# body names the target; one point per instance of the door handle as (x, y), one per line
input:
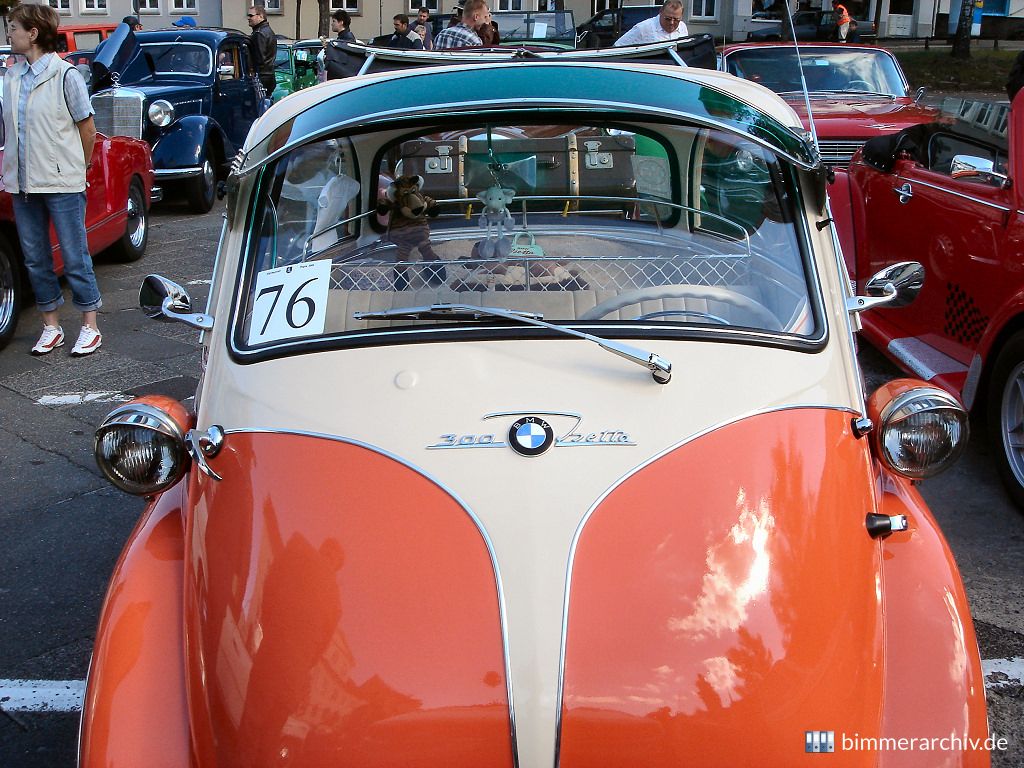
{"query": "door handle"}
(905, 193)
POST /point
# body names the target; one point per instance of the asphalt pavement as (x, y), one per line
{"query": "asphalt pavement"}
(63, 525)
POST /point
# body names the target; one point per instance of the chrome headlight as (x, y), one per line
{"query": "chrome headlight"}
(161, 113)
(140, 447)
(922, 430)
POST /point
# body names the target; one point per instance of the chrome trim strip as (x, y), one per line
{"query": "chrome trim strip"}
(604, 495)
(213, 274)
(961, 195)
(156, 194)
(177, 173)
(469, 512)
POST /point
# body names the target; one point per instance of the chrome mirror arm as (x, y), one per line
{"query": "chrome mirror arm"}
(198, 320)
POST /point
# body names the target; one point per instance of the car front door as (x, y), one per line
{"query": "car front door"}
(234, 91)
(957, 223)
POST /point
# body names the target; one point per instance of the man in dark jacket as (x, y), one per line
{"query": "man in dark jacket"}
(403, 38)
(263, 46)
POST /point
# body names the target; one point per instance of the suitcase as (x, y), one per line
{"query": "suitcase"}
(563, 167)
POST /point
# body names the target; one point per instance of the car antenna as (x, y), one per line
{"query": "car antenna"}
(803, 80)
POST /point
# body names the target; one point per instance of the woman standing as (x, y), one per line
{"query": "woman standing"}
(50, 135)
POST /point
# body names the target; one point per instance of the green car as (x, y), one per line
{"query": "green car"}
(296, 66)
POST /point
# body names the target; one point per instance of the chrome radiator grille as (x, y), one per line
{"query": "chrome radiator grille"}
(838, 152)
(119, 112)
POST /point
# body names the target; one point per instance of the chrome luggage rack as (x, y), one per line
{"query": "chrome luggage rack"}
(529, 273)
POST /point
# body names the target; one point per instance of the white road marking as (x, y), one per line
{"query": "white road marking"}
(77, 398)
(41, 695)
(67, 695)
(1003, 673)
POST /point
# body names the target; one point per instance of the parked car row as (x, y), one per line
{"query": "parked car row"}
(553, 450)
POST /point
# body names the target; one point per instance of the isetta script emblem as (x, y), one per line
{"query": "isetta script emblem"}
(531, 433)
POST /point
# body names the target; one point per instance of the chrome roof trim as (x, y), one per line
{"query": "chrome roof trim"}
(469, 512)
(607, 492)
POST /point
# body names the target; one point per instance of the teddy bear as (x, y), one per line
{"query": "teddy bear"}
(496, 219)
(409, 208)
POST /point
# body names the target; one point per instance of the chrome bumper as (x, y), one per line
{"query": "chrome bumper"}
(178, 173)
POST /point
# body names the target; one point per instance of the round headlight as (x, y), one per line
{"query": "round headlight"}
(141, 448)
(922, 430)
(161, 113)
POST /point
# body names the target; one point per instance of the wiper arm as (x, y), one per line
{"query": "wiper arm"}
(660, 368)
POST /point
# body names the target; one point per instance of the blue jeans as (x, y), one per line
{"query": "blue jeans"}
(32, 214)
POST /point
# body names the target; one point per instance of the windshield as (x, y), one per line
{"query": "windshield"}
(827, 70)
(544, 25)
(179, 58)
(682, 230)
(283, 59)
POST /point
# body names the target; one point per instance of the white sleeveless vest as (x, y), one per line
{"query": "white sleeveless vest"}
(56, 162)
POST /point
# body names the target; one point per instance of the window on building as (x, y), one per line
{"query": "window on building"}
(183, 5)
(94, 6)
(352, 6)
(63, 7)
(272, 6)
(603, 5)
(703, 9)
(432, 5)
(149, 6)
(510, 5)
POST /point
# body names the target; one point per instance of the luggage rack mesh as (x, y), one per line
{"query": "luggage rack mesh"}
(542, 274)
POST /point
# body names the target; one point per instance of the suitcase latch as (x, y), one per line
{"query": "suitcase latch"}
(440, 164)
(594, 159)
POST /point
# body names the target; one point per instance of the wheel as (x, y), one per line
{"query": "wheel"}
(132, 244)
(712, 293)
(1005, 415)
(202, 190)
(11, 292)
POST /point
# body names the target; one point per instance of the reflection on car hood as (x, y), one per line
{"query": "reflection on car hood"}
(867, 117)
(326, 614)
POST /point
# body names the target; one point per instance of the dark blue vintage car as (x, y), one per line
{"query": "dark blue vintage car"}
(192, 94)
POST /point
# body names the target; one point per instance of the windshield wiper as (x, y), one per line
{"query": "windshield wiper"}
(660, 368)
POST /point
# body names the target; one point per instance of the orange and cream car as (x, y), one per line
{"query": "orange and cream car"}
(531, 433)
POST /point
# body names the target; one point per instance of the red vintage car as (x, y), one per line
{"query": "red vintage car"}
(949, 195)
(856, 92)
(117, 219)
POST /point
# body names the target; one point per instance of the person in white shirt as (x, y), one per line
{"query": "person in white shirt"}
(667, 25)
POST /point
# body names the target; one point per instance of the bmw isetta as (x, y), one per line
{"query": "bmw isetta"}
(531, 433)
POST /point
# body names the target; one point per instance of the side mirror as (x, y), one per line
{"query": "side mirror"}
(896, 286)
(164, 300)
(966, 166)
(226, 72)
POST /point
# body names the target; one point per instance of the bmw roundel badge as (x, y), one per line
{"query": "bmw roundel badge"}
(530, 436)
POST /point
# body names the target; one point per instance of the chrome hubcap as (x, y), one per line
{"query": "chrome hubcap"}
(1011, 420)
(208, 176)
(136, 219)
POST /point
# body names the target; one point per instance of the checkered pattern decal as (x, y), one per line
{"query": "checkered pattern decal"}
(964, 321)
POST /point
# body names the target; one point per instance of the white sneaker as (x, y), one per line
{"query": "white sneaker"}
(51, 338)
(89, 340)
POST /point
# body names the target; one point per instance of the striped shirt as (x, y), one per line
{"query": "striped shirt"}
(76, 94)
(458, 36)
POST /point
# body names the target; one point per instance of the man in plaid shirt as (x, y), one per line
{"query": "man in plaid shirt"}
(475, 14)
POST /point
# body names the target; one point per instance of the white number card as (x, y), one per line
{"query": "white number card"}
(290, 302)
